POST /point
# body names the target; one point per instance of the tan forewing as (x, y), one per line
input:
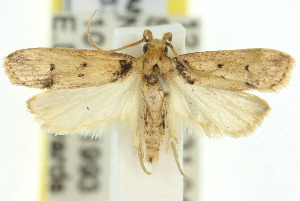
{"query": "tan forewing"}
(63, 68)
(246, 69)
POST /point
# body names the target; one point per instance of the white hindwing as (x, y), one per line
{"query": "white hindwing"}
(89, 111)
(194, 109)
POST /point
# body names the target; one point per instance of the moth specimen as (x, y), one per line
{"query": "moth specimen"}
(93, 92)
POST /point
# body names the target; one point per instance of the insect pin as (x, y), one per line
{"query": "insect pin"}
(93, 92)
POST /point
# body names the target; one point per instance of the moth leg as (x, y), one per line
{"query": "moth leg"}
(176, 158)
(172, 139)
(141, 158)
(138, 145)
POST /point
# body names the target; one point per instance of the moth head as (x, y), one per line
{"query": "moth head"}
(156, 45)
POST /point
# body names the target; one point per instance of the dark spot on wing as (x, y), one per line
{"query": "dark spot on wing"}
(52, 67)
(182, 71)
(247, 68)
(163, 124)
(151, 78)
(47, 83)
(181, 67)
(126, 66)
(250, 85)
(80, 75)
(220, 65)
(87, 108)
(84, 64)
(223, 77)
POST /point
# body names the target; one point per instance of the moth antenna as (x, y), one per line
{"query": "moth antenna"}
(162, 82)
(127, 46)
(176, 159)
(147, 33)
(89, 33)
(97, 47)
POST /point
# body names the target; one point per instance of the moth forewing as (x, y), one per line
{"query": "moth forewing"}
(246, 69)
(64, 68)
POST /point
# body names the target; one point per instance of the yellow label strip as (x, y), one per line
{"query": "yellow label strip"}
(44, 167)
(177, 7)
(57, 5)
